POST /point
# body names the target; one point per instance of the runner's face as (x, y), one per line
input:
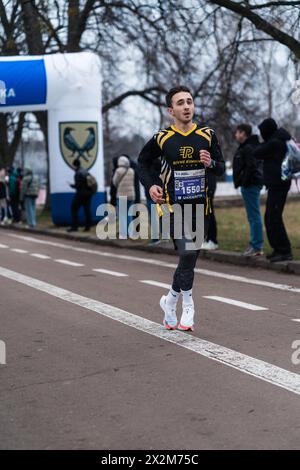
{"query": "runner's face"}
(183, 108)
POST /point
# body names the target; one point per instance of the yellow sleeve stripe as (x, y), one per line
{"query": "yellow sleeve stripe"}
(160, 136)
(166, 137)
(206, 133)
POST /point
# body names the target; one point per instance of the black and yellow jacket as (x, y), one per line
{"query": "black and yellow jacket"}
(179, 153)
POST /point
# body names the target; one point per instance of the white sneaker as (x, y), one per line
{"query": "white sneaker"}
(187, 318)
(211, 245)
(170, 318)
(204, 246)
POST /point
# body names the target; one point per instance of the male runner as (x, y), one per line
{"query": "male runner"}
(187, 152)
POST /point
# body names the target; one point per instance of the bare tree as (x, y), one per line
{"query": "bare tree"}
(213, 47)
(276, 19)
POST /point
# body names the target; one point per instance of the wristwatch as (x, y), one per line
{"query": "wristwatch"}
(212, 164)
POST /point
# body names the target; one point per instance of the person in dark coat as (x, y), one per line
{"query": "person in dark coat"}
(272, 152)
(155, 222)
(248, 175)
(211, 239)
(3, 198)
(82, 198)
(14, 194)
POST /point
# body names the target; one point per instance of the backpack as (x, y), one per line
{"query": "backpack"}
(91, 183)
(291, 162)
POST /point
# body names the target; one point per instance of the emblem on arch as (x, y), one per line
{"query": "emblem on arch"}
(79, 140)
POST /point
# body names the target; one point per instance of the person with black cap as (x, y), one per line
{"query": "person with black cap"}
(272, 152)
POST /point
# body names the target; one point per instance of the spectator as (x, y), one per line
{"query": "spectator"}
(14, 195)
(211, 241)
(3, 198)
(155, 222)
(19, 182)
(82, 197)
(124, 181)
(113, 189)
(247, 174)
(272, 152)
(29, 192)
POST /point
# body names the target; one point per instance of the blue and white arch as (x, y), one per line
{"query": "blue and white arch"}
(68, 86)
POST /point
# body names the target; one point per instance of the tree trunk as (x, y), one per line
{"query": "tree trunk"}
(36, 47)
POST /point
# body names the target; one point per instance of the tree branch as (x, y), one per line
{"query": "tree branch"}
(262, 24)
(142, 93)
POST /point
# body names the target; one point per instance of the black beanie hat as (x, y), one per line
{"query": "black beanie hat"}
(267, 128)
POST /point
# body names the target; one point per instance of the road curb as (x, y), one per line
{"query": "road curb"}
(229, 257)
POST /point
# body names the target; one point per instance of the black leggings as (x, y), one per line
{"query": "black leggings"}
(275, 228)
(184, 275)
(212, 225)
(84, 200)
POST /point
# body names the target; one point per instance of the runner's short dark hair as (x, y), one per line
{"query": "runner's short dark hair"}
(245, 128)
(173, 91)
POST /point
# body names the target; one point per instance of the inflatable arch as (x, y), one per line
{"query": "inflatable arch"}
(68, 86)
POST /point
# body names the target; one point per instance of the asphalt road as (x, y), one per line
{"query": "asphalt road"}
(89, 365)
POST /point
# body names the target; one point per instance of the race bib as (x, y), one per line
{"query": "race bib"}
(189, 184)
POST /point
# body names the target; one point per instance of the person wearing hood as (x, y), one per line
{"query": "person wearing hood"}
(272, 152)
(124, 181)
(247, 174)
(113, 189)
(29, 192)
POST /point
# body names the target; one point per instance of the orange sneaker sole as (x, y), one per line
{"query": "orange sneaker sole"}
(185, 328)
(169, 327)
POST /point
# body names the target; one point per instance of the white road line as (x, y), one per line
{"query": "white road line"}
(18, 250)
(111, 273)
(296, 319)
(68, 263)
(241, 362)
(3, 246)
(237, 303)
(40, 256)
(159, 263)
(157, 284)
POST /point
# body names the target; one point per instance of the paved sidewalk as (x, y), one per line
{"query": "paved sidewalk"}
(291, 267)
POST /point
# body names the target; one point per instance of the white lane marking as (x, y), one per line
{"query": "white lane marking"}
(18, 250)
(206, 272)
(249, 365)
(247, 280)
(40, 256)
(68, 263)
(237, 303)
(111, 273)
(157, 284)
(296, 319)
(3, 246)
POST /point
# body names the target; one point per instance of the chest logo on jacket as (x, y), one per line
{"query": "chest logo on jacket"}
(186, 152)
(79, 140)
